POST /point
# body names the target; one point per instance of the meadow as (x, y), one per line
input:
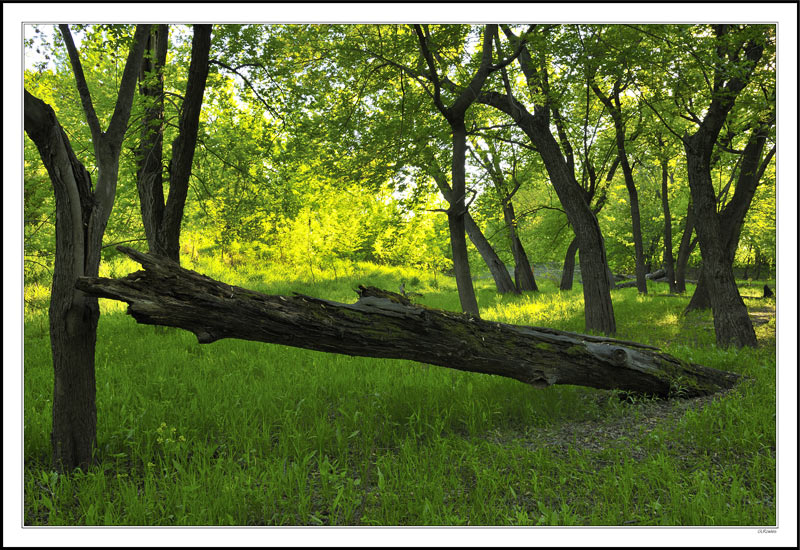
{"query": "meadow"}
(251, 434)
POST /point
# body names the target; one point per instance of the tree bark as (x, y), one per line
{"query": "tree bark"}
(502, 280)
(732, 217)
(180, 166)
(524, 278)
(455, 221)
(598, 309)
(73, 315)
(455, 115)
(732, 324)
(497, 268)
(385, 324)
(612, 103)
(150, 154)
(636, 225)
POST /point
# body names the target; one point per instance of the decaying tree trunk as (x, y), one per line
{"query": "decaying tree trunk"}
(385, 324)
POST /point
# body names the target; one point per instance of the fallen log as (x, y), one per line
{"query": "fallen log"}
(386, 324)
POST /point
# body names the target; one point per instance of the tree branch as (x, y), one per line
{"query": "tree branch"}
(249, 85)
(80, 82)
(122, 110)
(434, 76)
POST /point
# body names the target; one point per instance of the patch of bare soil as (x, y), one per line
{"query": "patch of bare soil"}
(599, 434)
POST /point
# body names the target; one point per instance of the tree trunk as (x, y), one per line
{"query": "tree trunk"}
(669, 263)
(73, 315)
(758, 265)
(700, 297)
(150, 154)
(455, 220)
(523, 273)
(650, 255)
(599, 311)
(497, 268)
(524, 279)
(162, 220)
(732, 323)
(636, 225)
(180, 166)
(73, 334)
(685, 250)
(597, 284)
(385, 324)
(455, 115)
(612, 103)
(568, 271)
(731, 219)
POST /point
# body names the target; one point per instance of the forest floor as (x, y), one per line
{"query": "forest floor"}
(242, 433)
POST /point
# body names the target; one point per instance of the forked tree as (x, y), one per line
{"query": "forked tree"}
(736, 61)
(81, 217)
(162, 217)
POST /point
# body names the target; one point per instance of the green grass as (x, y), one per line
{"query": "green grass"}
(244, 433)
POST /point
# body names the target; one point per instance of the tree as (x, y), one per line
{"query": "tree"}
(599, 311)
(386, 324)
(524, 279)
(162, 220)
(669, 262)
(738, 52)
(497, 268)
(455, 114)
(687, 245)
(81, 217)
(614, 106)
(753, 164)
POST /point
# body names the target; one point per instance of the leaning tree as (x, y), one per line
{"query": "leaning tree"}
(538, 127)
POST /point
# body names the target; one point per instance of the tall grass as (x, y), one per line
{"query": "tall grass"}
(244, 433)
